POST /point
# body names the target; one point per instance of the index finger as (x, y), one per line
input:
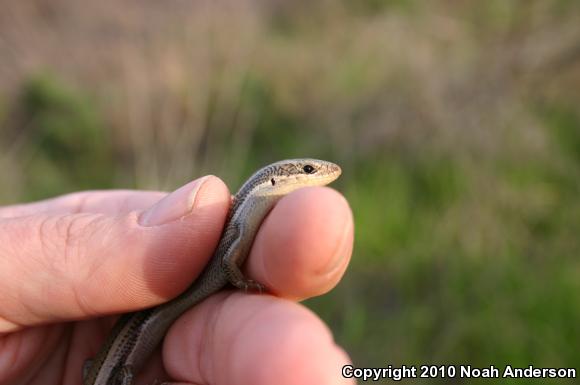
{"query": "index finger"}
(304, 245)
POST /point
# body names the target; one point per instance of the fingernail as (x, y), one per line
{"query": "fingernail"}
(174, 206)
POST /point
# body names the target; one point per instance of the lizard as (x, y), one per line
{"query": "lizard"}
(135, 335)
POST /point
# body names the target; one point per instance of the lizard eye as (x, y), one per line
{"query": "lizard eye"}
(309, 169)
(273, 182)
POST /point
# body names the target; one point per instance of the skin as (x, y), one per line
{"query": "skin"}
(67, 263)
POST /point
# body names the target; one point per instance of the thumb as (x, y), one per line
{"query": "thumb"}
(71, 266)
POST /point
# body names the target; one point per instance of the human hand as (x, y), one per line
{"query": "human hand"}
(66, 261)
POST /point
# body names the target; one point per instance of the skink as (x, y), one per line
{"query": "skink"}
(136, 335)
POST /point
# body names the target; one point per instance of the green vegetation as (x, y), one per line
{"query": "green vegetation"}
(68, 146)
(457, 129)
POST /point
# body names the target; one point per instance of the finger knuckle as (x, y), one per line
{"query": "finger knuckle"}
(63, 240)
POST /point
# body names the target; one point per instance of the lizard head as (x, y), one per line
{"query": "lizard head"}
(304, 172)
(285, 176)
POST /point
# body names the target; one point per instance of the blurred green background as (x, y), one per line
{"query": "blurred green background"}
(457, 125)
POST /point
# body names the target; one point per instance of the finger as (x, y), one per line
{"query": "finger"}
(252, 339)
(58, 267)
(304, 245)
(104, 202)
